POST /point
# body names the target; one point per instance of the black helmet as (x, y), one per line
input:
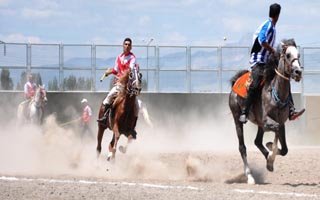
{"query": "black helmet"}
(274, 10)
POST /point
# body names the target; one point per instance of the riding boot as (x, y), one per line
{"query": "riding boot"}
(293, 114)
(245, 111)
(104, 118)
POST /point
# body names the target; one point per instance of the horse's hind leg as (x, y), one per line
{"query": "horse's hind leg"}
(99, 139)
(243, 151)
(123, 149)
(258, 142)
(272, 154)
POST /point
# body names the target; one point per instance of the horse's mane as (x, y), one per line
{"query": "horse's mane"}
(123, 80)
(273, 59)
(238, 74)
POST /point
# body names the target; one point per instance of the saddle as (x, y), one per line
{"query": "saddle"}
(110, 117)
(25, 105)
(241, 86)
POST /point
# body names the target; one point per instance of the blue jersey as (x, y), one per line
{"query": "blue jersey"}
(265, 33)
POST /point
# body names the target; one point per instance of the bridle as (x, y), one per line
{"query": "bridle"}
(39, 98)
(133, 88)
(287, 65)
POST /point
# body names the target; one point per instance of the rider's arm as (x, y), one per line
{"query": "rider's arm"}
(263, 35)
(108, 72)
(133, 63)
(268, 47)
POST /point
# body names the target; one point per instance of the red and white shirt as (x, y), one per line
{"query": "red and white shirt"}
(29, 90)
(86, 114)
(123, 63)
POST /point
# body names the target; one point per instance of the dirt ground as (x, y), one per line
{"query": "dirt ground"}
(192, 175)
(177, 161)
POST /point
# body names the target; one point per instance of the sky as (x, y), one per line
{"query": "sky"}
(168, 22)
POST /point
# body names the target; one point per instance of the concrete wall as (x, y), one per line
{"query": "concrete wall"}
(163, 107)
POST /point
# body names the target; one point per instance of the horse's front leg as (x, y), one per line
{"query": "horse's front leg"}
(123, 149)
(282, 138)
(258, 142)
(270, 124)
(114, 142)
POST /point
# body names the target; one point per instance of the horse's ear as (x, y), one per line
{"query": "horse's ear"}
(283, 47)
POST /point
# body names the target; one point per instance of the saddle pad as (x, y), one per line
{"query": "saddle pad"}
(241, 85)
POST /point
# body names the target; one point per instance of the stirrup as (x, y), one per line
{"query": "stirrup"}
(243, 118)
(294, 115)
(103, 119)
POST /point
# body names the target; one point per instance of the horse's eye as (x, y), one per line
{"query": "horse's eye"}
(288, 55)
(131, 75)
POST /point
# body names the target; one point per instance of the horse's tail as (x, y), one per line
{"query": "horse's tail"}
(145, 115)
(144, 111)
(20, 111)
(237, 75)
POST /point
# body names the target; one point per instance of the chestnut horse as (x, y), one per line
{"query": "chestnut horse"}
(270, 110)
(123, 113)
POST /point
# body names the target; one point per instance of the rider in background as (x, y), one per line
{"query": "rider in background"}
(263, 42)
(29, 88)
(123, 62)
(86, 118)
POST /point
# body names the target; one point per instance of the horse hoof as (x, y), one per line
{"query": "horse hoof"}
(251, 180)
(270, 168)
(270, 165)
(269, 145)
(122, 149)
(110, 156)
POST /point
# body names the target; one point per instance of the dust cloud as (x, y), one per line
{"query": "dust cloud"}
(180, 146)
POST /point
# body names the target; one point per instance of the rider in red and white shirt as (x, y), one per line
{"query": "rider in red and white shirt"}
(29, 88)
(86, 112)
(125, 61)
(86, 118)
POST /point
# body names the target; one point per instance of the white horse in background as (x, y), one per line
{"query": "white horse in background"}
(32, 110)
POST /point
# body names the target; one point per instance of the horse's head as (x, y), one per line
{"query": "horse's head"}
(291, 63)
(131, 80)
(134, 81)
(40, 95)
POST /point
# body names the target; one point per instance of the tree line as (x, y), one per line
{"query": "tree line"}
(69, 83)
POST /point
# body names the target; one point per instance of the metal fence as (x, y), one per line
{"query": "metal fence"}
(165, 69)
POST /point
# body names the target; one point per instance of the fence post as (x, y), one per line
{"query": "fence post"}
(61, 67)
(188, 62)
(219, 55)
(93, 67)
(28, 58)
(157, 68)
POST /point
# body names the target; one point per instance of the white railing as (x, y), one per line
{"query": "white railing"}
(165, 69)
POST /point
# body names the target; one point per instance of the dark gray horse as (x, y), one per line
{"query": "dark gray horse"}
(270, 110)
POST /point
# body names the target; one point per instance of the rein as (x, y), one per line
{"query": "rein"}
(282, 76)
